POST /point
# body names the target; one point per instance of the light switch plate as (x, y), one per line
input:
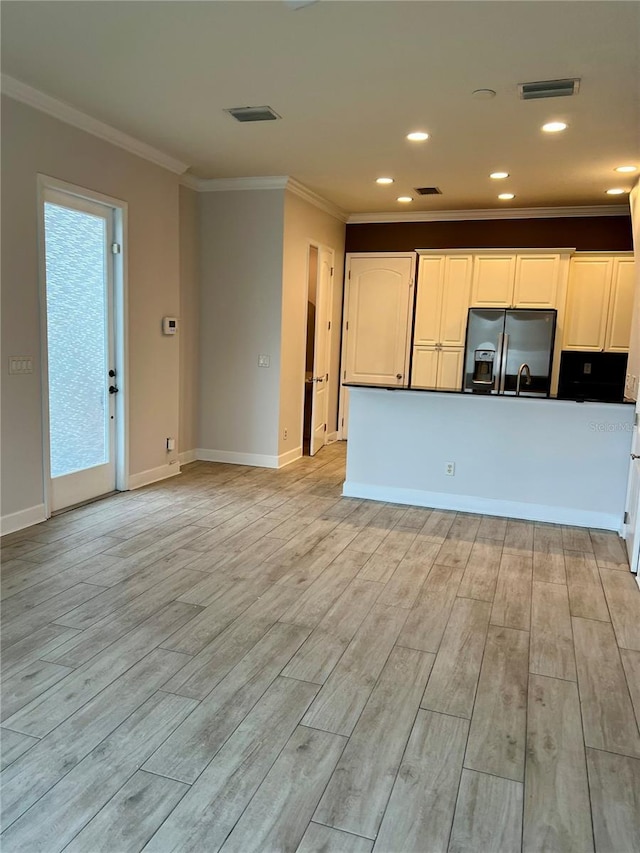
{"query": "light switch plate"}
(19, 364)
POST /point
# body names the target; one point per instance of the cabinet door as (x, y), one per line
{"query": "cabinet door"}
(450, 368)
(455, 300)
(378, 310)
(585, 319)
(428, 300)
(493, 281)
(536, 283)
(620, 305)
(424, 370)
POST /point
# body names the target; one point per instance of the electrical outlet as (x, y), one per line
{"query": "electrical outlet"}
(450, 469)
(171, 444)
(285, 434)
(264, 361)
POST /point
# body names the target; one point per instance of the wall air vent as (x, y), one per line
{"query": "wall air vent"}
(253, 113)
(549, 89)
(429, 190)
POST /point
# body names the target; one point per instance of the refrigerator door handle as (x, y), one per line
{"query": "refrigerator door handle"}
(498, 371)
(503, 362)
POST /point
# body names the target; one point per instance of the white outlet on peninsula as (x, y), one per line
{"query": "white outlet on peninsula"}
(264, 361)
(450, 469)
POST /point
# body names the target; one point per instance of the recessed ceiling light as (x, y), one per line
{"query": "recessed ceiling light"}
(498, 176)
(418, 136)
(384, 180)
(506, 196)
(617, 191)
(626, 169)
(405, 198)
(554, 126)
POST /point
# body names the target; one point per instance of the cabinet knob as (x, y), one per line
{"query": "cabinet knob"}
(398, 375)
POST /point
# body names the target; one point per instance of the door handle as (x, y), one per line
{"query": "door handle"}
(635, 455)
(113, 389)
(319, 379)
(112, 373)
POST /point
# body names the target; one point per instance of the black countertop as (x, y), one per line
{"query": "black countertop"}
(524, 395)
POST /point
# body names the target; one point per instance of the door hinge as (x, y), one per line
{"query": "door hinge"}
(115, 248)
(344, 376)
(626, 518)
(331, 270)
(349, 274)
(325, 427)
(346, 326)
(342, 424)
(329, 325)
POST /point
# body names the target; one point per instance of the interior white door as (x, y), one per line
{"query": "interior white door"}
(78, 235)
(631, 532)
(378, 311)
(321, 352)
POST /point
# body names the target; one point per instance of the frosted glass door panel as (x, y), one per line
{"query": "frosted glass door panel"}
(77, 287)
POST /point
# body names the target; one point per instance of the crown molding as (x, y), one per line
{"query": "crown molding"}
(512, 213)
(318, 201)
(273, 182)
(70, 115)
(221, 185)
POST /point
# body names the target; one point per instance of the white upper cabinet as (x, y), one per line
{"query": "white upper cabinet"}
(623, 283)
(599, 302)
(519, 280)
(493, 277)
(378, 303)
(455, 300)
(536, 281)
(442, 304)
(429, 300)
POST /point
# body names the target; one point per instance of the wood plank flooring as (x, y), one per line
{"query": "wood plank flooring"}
(240, 659)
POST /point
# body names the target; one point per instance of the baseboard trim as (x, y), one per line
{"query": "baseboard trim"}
(23, 518)
(332, 437)
(289, 457)
(187, 456)
(232, 457)
(153, 475)
(484, 506)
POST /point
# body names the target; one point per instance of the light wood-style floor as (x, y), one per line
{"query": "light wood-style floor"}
(239, 659)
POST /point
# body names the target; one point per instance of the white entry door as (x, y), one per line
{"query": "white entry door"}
(321, 352)
(378, 309)
(82, 380)
(377, 319)
(632, 531)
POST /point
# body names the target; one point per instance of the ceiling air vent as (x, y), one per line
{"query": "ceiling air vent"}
(549, 89)
(253, 113)
(429, 190)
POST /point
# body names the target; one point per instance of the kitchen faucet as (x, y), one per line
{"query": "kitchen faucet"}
(524, 368)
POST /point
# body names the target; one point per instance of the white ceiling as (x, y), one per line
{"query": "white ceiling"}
(350, 79)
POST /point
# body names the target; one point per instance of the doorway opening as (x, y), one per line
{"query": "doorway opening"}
(83, 358)
(317, 383)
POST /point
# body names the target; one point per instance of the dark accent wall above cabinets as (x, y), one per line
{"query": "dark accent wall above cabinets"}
(586, 234)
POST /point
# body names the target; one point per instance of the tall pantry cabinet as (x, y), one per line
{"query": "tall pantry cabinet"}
(442, 302)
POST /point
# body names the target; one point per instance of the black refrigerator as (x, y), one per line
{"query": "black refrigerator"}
(509, 351)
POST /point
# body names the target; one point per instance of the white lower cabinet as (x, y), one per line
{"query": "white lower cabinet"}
(437, 367)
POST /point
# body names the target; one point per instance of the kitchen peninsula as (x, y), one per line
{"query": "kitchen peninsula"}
(538, 459)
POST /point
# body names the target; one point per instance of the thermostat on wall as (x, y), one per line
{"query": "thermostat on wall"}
(169, 325)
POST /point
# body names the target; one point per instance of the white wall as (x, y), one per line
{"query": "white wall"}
(305, 223)
(241, 250)
(189, 324)
(633, 365)
(33, 142)
(544, 460)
